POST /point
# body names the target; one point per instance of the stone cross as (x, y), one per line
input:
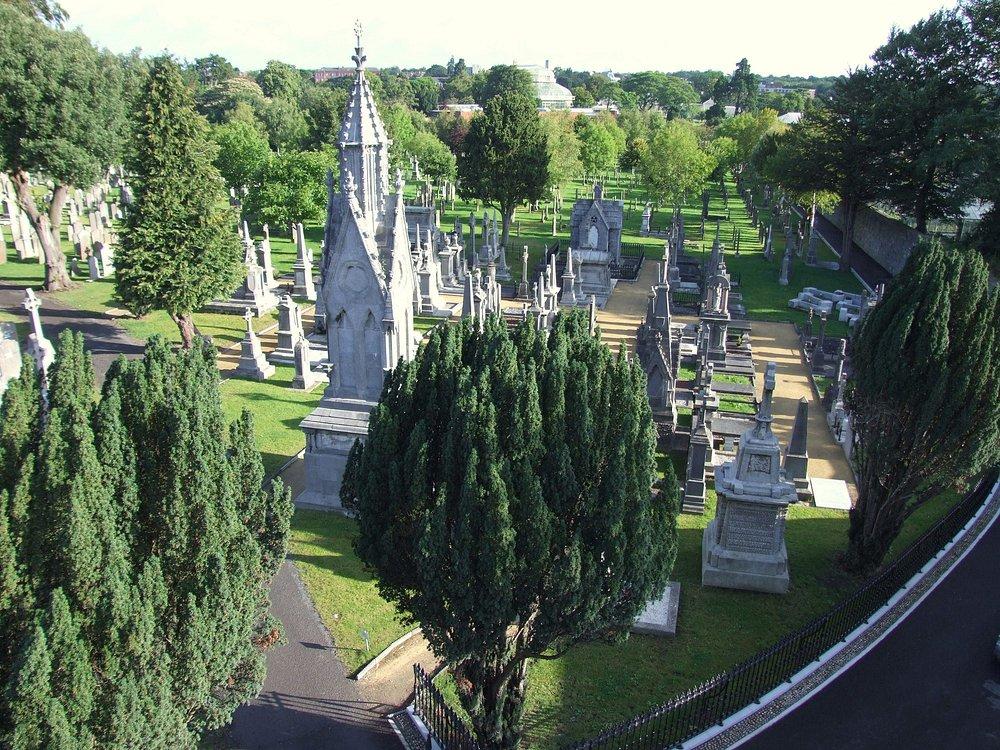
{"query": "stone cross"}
(38, 346)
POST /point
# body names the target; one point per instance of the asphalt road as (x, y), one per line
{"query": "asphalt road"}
(307, 702)
(103, 338)
(931, 683)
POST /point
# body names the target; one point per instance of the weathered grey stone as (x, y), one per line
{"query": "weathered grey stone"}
(743, 547)
(660, 615)
(797, 453)
(252, 362)
(10, 355)
(369, 289)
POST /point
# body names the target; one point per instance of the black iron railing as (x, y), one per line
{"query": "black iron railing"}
(444, 726)
(710, 703)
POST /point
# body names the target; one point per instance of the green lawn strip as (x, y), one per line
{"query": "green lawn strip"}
(822, 383)
(598, 684)
(737, 404)
(277, 409)
(22, 273)
(686, 373)
(343, 592)
(726, 377)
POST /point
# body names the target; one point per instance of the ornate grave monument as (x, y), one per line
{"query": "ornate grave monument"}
(595, 236)
(368, 291)
(744, 545)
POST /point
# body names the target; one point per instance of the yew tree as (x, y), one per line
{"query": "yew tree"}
(925, 395)
(505, 502)
(61, 117)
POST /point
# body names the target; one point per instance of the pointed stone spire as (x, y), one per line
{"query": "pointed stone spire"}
(364, 143)
(763, 417)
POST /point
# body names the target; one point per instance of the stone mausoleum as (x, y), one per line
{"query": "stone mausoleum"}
(596, 239)
(744, 545)
(368, 293)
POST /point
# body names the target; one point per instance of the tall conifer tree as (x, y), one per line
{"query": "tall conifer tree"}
(925, 397)
(178, 247)
(505, 502)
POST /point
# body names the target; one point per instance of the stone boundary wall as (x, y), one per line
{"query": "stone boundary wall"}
(889, 242)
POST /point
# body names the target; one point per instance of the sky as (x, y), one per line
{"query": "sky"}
(776, 36)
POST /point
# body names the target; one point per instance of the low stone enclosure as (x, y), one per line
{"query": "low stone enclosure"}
(709, 708)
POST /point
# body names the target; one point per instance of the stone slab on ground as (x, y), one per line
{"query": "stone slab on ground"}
(830, 493)
(660, 615)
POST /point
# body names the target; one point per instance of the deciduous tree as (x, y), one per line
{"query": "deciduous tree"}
(505, 159)
(61, 116)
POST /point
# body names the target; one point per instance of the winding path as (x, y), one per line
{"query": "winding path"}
(307, 701)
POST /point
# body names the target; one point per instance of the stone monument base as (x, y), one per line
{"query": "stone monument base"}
(331, 429)
(233, 306)
(729, 569)
(660, 615)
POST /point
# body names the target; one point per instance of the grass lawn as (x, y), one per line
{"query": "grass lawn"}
(344, 594)
(737, 404)
(726, 377)
(686, 373)
(277, 409)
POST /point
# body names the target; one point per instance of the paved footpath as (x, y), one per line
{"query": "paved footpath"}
(778, 342)
(103, 338)
(307, 701)
(932, 683)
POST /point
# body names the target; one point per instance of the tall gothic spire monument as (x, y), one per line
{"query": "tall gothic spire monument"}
(367, 292)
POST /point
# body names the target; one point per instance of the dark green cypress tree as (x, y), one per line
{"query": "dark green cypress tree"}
(72, 677)
(925, 396)
(521, 518)
(19, 423)
(178, 249)
(31, 695)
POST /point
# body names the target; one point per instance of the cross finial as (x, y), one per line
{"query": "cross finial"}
(359, 54)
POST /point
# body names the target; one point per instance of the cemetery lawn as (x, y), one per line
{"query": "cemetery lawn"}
(342, 591)
(277, 410)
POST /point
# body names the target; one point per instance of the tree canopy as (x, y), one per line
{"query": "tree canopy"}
(925, 396)
(61, 114)
(137, 546)
(505, 160)
(178, 247)
(674, 164)
(504, 500)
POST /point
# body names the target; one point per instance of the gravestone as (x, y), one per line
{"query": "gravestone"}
(289, 331)
(39, 347)
(10, 355)
(797, 453)
(660, 615)
(743, 547)
(252, 362)
(94, 267)
(304, 286)
(305, 379)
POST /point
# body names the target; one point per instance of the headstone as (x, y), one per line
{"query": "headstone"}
(94, 267)
(106, 257)
(786, 268)
(289, 331)
(797, 454)
(252, 362)
(264, 259)
(660, 615)
(743, 547)
(10, 355)
(305, 379)
(304, 286)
